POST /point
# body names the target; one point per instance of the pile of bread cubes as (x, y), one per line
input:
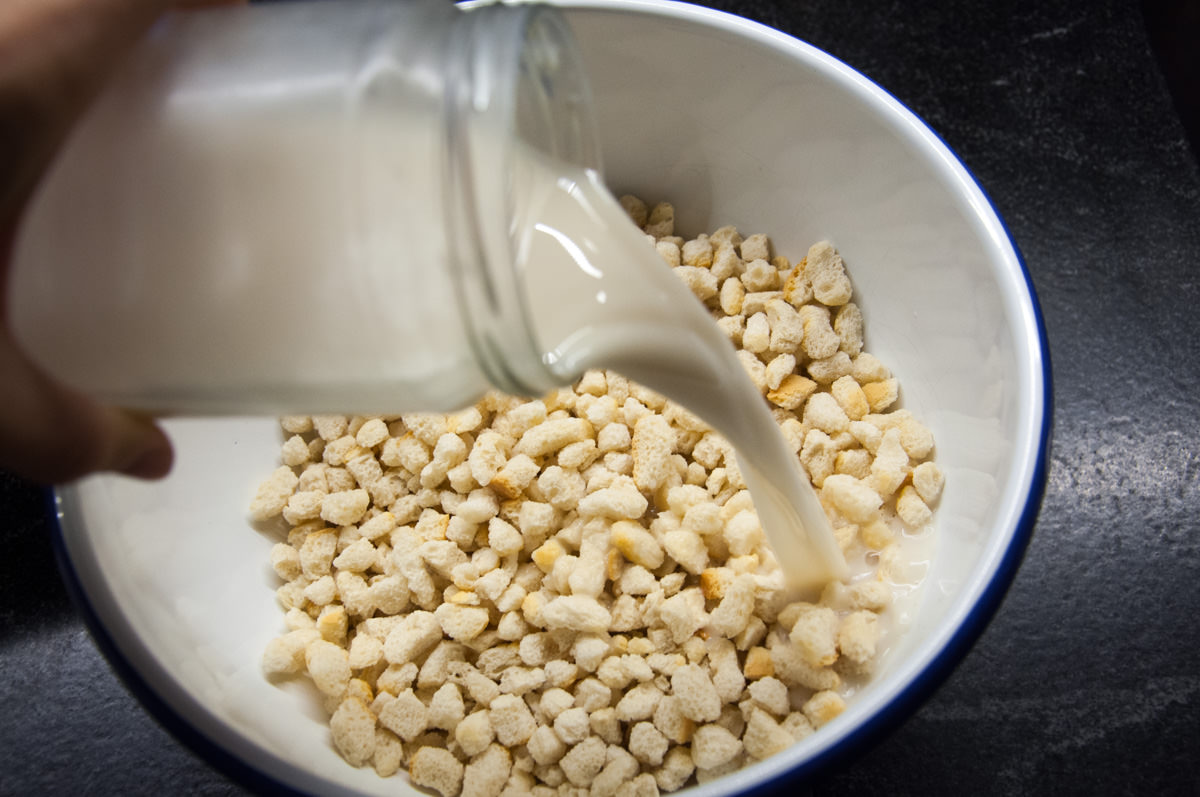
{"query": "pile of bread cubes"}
(573, 595)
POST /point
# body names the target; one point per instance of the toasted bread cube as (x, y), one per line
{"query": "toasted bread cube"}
(637, 544)
(676, 770)
(389, 753)
(273, 494)
(848, 323)
(345, 507)
(620, 768)
(436, 768)
(353, 730)
(736, 606)
(858, 636)
(577, 613)
(823, 707)
(511, 720)
(754, 368)
(406, 716)
(732, 294)
(661, 221)
(830, 369)
(882, 394)
(329, 667)
(756, 247)
(780, 367)
(700, 281)
(890, 467)
(854, 499)
(928, 480)
(698, 698)
(787, 326)
(850, 397)
(487, 773)
(793, 391)
(635, 208)
(814, 634)
(916, 439)
(824, 269)
(584, 761)
(296, 424)
(551, 435)
(285, 655)
(713, 745)
(763, 736)
(416, 634)
(792, 667)
(687, 548)
(621, 501)
(545, 746)
(823, 412)
(911, 509)
(854, 462)
(771, 695)
(638, 703)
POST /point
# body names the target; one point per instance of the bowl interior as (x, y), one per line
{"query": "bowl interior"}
(734, 124)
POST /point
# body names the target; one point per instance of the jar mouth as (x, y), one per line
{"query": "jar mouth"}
(553, 108)
(514, 81)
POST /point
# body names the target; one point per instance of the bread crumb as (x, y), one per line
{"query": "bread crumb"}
(436, 768)
(353, 729)
(713, 745)
(823, 707)
(584, 761)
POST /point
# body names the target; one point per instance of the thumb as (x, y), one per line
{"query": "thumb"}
(51, 433)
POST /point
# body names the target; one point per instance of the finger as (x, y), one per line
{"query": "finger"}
(50, 433)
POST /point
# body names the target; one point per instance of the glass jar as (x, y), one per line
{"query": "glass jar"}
(303, 206)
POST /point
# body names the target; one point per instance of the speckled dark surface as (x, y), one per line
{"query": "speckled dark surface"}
(1088, 680)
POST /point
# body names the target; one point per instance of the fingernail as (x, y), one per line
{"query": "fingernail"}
(144, 450)
(153, 463)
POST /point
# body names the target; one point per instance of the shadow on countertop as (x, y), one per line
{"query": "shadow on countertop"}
(31, 593)
(1173, 27)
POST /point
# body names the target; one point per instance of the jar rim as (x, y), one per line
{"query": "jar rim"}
(514, 79)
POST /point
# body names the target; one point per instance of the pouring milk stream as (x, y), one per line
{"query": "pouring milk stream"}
(628, 312)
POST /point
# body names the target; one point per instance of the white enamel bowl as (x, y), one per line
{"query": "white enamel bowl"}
(736, 124)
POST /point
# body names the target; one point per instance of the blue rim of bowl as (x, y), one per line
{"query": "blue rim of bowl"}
(224, 761)
(856, 742)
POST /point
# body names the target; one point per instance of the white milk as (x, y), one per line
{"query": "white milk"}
(599, 296)
(911, 556)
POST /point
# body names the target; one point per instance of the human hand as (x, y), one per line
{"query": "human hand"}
(54, 57)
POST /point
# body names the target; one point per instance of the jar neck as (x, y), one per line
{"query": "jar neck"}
(513, 80)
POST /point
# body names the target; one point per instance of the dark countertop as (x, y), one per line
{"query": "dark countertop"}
(1087, 680)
